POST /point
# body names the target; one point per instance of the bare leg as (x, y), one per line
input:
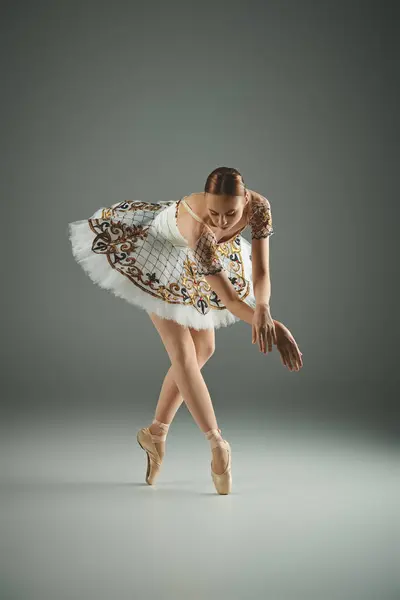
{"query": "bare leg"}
(170, 398)
(185, 371)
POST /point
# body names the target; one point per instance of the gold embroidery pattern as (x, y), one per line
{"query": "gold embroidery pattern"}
(125, 236)
(260, 218)
(206, 254)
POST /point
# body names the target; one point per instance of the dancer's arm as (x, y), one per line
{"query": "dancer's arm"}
(234, 304)
(260, 221)
(245, 312)
(286, 344)
(210, 266)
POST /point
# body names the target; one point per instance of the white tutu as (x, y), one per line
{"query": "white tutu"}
(135, 250)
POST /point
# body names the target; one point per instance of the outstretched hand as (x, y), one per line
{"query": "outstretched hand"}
(263, 328)
(287, 347)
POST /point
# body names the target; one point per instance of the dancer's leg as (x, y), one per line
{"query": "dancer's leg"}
(186, 373)
(170, 398)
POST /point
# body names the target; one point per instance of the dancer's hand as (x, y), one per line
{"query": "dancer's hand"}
(287, 347)
(263, 328)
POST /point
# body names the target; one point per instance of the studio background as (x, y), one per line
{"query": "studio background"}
(104, 102)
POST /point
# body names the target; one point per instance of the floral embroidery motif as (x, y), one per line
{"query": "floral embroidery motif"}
(124, 234)
(260, 218)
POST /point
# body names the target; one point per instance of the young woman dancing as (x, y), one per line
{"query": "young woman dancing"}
(187, 265)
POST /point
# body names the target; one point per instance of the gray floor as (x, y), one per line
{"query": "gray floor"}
(313, 514)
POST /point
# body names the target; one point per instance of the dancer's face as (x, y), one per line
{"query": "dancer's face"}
(226, 211)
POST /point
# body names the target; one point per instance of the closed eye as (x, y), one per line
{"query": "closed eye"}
(229, 214)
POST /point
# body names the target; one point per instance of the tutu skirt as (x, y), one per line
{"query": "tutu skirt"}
(123, 249)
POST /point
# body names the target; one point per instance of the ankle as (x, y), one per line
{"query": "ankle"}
(159, 430)
(215, 438)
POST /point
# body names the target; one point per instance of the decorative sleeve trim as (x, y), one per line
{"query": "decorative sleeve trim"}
(260, 218)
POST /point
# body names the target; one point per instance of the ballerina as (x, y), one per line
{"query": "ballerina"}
(187, 265)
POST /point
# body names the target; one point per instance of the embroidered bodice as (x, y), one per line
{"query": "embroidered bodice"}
(206, 251)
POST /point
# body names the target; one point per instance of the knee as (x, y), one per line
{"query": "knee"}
(204, 352)
(183, 356)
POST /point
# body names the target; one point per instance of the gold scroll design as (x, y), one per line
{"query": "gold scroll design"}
(199, 291)
(117, 239)
(119, 242)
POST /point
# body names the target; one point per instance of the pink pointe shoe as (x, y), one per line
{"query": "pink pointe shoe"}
(146, 441)
(223, 481)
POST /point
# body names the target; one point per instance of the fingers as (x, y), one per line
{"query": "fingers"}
(271, 337)
(300, 360)
(265, 339)
(290, 354)
(296, 359)
(292, 359)
(274, 337)
(262, 338)
(258, 336)
(265, 336)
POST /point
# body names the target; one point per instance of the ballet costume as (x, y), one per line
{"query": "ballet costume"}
(135, 250)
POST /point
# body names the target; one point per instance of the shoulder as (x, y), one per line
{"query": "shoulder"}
(259, 203)
(198, 233)
(260, 217)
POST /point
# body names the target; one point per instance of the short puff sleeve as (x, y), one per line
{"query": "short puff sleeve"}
(260, 218)
(205, 253)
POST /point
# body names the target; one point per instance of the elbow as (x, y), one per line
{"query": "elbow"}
(232, 303)
(261, 273)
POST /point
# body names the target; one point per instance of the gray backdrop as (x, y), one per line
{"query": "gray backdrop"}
(104, 102)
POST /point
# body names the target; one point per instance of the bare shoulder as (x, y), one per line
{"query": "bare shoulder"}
(190, 228)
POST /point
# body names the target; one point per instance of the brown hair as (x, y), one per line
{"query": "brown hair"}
(225, 180)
